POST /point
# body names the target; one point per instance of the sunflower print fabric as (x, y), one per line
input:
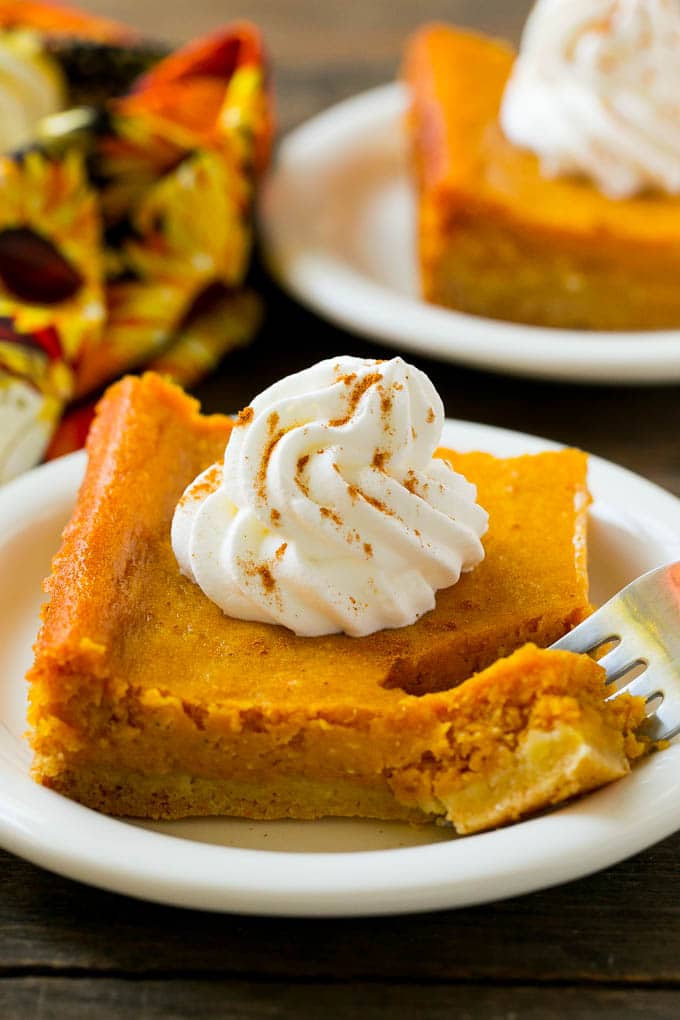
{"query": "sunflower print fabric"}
(126, 232)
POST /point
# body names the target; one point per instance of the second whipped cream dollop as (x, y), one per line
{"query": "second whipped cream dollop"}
(595, 91)
(330, 513)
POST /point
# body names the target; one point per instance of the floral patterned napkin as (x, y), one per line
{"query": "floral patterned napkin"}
(125, 227)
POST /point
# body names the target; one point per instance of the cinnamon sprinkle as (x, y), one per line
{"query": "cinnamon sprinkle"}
(355, 491)
(281, 550)
(268, 582)
(330, 515)
(244, 417)
(299, 468)
(382, 507)
(429, 417)
(411, 483)
(260, 570)
(209, 483)
(368, 548)
(385, 401)
(266, 457)
(353, 398)
(275, 516)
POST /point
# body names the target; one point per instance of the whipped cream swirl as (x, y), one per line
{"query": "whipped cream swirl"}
(596, 91)
(330, 513)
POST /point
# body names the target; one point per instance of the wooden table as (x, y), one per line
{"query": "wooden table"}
(607, 946)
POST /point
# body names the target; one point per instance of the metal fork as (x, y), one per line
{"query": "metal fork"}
(645, 620)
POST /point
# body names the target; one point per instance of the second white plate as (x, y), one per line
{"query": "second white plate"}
(330, 867)
(338, 219)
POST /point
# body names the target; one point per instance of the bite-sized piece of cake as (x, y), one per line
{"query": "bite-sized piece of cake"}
(532, 730)
(146, 699)
(529, 732)
(500, 238)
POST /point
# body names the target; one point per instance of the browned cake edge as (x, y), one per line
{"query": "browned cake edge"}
(532, 730)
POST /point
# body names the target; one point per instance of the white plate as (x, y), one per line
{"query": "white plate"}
(338, 217)
(333, 867)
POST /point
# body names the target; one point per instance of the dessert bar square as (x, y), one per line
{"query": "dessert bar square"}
(497, 237)
(147, 700)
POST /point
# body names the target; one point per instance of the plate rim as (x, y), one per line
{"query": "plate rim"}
(311, 884)
(333, 289)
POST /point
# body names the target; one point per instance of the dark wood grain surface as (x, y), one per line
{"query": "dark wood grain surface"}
(604, 947)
